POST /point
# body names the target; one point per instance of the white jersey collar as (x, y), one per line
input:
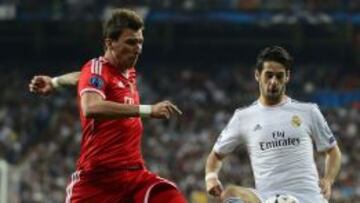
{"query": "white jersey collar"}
(286, 100)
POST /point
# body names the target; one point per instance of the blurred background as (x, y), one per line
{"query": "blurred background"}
(197, 53)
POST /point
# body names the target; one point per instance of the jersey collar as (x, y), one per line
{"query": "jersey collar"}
(286, 100)
(125, 73)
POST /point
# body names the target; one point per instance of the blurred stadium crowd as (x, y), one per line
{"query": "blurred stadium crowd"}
(96, 5)
(41, 137)
(92, 9)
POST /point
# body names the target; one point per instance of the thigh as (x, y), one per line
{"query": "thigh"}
(157, 189)
(108, 187)
(165, 193)
(248, 195)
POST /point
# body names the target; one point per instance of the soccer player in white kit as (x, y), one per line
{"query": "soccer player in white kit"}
(279, 133)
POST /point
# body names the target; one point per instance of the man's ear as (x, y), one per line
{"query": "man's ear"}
(257, 75)
(108, 44)
(287, 78)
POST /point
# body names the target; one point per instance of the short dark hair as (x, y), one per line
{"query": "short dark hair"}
(119, 20)
(274, 53)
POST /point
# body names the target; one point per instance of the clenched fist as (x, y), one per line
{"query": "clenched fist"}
(214, 186)
(41, 84)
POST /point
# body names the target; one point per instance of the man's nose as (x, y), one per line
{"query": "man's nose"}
(273, 80)
(138, 48)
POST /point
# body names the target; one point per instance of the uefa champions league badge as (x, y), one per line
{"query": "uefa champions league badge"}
(296, 121)
(96, 82)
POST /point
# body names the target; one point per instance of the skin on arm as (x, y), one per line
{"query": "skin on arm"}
(332, 168)
(69, 79)
(212, 168)
(215, 188)
(45, 85)
(94, 106)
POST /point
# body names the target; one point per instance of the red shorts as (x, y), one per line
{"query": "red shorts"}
(123, 186)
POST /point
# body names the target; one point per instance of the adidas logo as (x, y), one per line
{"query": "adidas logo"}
(257, 127)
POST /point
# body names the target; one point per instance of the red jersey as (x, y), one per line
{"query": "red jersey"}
(109, 144)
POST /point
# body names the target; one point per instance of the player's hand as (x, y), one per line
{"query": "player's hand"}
(325, 185)
(41, 84)
(214, 187)
(164, 110)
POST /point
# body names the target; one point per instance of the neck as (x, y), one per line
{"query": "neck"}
(113, 60)
(272, 102)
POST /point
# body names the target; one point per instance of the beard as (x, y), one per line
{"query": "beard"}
(131, 62)
(274, 95)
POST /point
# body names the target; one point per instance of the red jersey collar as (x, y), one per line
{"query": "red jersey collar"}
(106, 61)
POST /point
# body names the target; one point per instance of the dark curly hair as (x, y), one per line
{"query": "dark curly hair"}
(274, 53)
(119, 20)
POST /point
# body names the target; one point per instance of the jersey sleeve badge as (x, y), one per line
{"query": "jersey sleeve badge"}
(296, 121)
(96, 82)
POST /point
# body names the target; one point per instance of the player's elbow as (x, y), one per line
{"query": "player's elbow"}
(334, 153)
(90, 111)
(88, 114)
(335, 150)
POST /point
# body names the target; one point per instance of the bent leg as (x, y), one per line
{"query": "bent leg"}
(166, 193)
(236, 194)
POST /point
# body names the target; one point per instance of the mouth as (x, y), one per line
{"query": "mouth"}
(134, 57)
(273, 90)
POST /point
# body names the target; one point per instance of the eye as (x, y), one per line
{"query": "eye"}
(269, 75)
(131, 42)
(280, 76)
(134, 42)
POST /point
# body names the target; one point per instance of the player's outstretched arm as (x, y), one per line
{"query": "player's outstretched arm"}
(45, 85)
(213, 166)
(332, 167)
(93, 105)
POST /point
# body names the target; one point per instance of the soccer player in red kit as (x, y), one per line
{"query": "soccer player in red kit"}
(111, 168)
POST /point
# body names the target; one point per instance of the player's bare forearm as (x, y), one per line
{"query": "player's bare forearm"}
(213, 166)
(213, 163)
(111, 110)
(68, 79)
(94, 106)
(46, 85)
(332, 167)
(332, 163)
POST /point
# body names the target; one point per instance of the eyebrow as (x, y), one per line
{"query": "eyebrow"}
(134, 39)
(275, 72)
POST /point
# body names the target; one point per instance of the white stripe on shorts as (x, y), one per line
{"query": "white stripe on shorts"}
(75, 177)
(163, 181)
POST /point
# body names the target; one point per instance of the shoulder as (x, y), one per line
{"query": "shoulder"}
(304, 106)
(96, 66)
(243, 111)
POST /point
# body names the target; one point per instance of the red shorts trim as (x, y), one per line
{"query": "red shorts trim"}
(149, 189)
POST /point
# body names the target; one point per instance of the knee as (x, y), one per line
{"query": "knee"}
(235, 194)
(230, 191)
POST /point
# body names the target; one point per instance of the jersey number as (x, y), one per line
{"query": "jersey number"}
(128, 100)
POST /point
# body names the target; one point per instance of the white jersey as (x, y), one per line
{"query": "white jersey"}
(279, 140)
